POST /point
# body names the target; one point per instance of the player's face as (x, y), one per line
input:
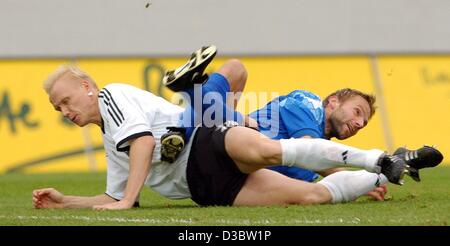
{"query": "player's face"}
(69, 96)
(349, 117)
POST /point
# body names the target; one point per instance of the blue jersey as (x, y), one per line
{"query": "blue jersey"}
(298, 114)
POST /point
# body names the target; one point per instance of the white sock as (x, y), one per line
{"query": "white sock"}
(319, 154)
(346, 186)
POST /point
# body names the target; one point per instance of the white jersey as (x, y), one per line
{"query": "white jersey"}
(127, 113)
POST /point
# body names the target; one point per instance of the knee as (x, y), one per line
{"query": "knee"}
(269, 151)
(236, 74)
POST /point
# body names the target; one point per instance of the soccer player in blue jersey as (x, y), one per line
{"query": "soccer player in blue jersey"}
(303, 114)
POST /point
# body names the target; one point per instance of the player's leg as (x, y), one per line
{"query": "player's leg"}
(202, 98)
(214, 178)
(267, 187)
(312, 154)
(206, 104)
(231, 76)
(236, 75)
(192, 71)
(346, 186)
(229, 81)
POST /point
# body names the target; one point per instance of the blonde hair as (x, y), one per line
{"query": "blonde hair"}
(63, 70)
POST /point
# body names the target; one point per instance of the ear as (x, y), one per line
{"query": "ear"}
(333, 102)
(85, 85)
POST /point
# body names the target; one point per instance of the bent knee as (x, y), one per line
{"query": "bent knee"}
(236, 74)
(269, 151)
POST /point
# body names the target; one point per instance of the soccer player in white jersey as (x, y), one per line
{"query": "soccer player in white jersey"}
(221, 165)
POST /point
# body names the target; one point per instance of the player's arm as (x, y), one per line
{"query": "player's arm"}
(141, 151)
(249, 122)
(51, 198)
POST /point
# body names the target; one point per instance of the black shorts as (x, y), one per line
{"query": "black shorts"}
(213, 177)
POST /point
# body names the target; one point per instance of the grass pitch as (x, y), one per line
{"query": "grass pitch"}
(425, 203)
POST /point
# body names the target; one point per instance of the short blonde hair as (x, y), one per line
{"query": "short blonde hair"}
(63, 70)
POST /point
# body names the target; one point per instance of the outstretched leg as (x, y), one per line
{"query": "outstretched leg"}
(267, 187)
(312, 154)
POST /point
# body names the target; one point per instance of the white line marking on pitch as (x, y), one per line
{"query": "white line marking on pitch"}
(94, 219)
(354, 220)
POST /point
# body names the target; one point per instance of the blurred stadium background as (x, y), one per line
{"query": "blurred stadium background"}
(398, 50)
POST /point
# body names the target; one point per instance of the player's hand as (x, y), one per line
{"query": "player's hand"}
(120, 205)
(378, 193)
(249, 122)
(47, 198)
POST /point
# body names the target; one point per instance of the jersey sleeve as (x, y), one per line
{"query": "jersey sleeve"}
(125, 119)
(298, 119)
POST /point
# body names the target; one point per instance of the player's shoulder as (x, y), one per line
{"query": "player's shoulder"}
(113, 87)
(301, 97)
(304, 102)
(117, 94)
(301, 94)
(121, 90)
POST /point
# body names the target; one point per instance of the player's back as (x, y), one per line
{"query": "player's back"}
(159, 112)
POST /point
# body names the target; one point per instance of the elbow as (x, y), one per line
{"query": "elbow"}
(147, 141)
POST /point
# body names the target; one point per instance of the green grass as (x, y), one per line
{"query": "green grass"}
(425, 203)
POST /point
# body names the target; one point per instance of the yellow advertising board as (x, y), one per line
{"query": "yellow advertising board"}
(417, 96)
(35, 138)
